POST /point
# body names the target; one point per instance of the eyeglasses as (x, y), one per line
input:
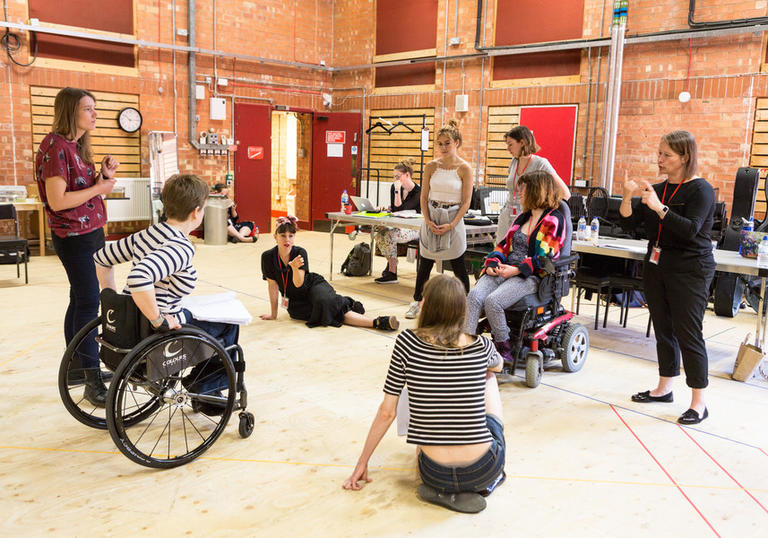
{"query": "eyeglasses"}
(397, 176)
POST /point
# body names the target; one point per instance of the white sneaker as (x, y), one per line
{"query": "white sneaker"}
(413, 310)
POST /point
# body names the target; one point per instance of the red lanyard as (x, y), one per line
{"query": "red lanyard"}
(663, 194)
(283, 274)
(514, 180)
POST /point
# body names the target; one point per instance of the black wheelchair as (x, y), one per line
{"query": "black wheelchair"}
(541, 329)
(170, 394)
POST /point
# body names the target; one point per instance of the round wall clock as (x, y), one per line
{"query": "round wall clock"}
(129, 119)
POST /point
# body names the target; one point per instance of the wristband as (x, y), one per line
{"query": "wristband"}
(157, 321)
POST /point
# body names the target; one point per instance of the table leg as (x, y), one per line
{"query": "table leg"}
(760, 329)
(333, 228)
(41, 227)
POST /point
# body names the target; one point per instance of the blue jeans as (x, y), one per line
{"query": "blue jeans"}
(209, 376)
(76, 255)
(475, 477)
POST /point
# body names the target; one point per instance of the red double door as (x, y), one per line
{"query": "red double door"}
(333, 166)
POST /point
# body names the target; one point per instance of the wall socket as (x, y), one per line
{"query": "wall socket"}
(182, 32)
(454, 41)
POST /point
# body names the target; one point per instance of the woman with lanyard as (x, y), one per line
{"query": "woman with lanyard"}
(308, 296)
(71, 191)
(512, 270)
(522, 145)
(678, 269)
(446, 192)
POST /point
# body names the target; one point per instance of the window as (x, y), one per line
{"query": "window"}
(109, 17)
(405, 30)
(521, 22)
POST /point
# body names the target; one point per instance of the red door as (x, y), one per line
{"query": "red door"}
(253, 163)
(335, 136)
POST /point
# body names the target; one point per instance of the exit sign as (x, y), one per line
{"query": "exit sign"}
(335, 137)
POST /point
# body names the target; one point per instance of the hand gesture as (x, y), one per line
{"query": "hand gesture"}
(173, 323)
(398, 184)
(442, 228)
(296, 263)
(359, 474)
(650, 198)
(505, 271)
(109, 167)
(105, 186)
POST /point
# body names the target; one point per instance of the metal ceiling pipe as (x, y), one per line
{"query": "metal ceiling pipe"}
(191, 73)
(616, 106)
(608, 106)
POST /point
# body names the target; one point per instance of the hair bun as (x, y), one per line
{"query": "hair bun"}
(453, 123)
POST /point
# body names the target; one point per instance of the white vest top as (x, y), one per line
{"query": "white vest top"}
(445, 186)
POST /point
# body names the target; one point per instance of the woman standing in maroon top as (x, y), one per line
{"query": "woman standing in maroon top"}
(71, 191)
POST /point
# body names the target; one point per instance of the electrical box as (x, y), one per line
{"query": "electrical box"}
(462, 103)
(218, 108)
(199, 92)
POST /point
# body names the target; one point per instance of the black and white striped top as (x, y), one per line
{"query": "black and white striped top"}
(446, 389)
(162, 259)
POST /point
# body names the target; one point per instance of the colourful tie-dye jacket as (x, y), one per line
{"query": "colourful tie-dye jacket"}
(546, 239)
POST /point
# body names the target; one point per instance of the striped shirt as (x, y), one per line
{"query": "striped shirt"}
(162, 260)
(446, 389)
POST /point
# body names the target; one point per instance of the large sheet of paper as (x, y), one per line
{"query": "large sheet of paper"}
(222, 307)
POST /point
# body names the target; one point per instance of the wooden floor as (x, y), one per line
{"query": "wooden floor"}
(582, 459)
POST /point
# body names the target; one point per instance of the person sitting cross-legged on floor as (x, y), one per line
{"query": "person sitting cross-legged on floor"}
(453, 400)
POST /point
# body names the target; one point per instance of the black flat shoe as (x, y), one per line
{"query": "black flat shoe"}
(692, 417)
(645, 397)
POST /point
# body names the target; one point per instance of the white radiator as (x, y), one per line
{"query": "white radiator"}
(136, 207)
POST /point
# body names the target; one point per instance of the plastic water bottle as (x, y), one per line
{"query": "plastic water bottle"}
(594, 231)
(344, 200)
(762, 253)
(747, 226)
(581, 229)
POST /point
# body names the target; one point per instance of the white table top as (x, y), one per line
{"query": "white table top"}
(413, 223)
(728, 261)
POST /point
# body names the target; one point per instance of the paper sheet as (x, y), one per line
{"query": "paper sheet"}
(222, 307)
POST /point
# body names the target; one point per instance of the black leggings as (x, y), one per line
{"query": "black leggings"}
(425, 267)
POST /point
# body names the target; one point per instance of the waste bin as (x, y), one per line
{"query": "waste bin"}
(215, 220)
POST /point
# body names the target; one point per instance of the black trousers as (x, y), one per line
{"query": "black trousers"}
(677, 302)
(425, 267)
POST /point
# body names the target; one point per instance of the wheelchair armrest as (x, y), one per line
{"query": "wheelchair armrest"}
(550, 266)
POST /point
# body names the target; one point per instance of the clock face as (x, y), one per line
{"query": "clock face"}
(129, 119)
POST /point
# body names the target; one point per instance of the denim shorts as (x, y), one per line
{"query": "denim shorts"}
(475, 477)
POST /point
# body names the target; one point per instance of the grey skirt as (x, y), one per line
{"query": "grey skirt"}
(448, 246)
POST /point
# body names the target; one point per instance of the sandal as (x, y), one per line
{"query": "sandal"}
(465, 502)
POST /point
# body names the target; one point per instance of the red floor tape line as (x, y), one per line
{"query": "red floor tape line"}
(722, 468)
(665, 472)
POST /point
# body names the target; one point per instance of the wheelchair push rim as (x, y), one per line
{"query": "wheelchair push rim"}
(190, 380)
(71, 379)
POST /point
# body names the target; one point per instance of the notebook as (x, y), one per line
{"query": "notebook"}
(363, 204)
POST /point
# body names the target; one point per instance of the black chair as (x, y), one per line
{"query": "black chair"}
(13, 248)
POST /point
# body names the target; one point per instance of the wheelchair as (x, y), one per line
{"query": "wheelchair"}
(541, 329)
(170, 395)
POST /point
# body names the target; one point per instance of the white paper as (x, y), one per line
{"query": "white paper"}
(407, 214)
(335, 150)
(222, 307)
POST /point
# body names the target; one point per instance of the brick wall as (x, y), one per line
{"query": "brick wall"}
(725, 79)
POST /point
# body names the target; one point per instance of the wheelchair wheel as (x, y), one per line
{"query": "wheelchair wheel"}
(245, 428)
(72, 376)
(574, 347)
(534, 368)
(188, 380)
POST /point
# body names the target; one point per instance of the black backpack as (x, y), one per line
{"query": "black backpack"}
(358, 262)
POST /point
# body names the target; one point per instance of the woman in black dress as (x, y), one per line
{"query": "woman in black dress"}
(308, 296)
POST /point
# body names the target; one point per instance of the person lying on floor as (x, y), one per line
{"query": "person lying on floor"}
(238, 231)
(308, 296)
(512, 270)
(162, 273)
(453, 401)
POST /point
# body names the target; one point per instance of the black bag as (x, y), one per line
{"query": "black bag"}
(122, 326)
(358, 262)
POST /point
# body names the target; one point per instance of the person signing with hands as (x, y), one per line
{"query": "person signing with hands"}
(677, 215)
